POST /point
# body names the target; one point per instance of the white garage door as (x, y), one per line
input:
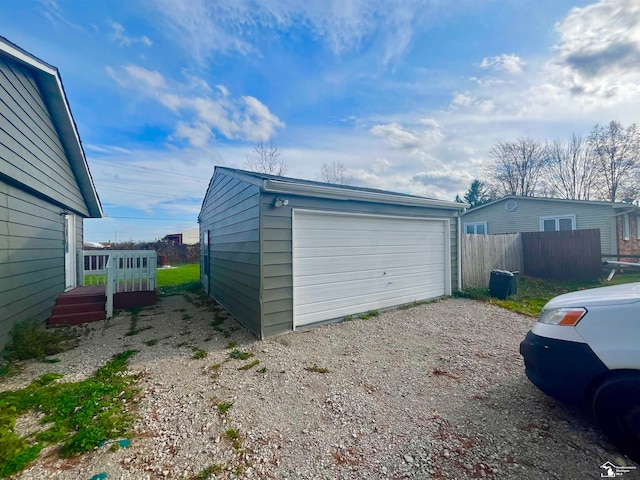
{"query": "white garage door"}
(345, 264)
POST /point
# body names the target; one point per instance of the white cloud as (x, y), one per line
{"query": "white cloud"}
(246, 119)
(206, 28)
(507, 63)
(600, 49)
(198, 134)
(413, 140)
(464, 99)
(52, 11)
(119, 36)
(589, 77)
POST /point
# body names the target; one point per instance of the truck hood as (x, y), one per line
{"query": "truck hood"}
(594, 297)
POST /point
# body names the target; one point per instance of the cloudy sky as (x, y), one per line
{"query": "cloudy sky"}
(408, 94)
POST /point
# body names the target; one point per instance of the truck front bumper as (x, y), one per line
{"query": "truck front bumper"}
(560, 368)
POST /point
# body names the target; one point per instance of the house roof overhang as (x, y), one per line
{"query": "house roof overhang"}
(291, 186)
(614, 205)
(54, 96)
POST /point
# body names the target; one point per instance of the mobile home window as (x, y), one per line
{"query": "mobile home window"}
(625, 227)
(558, 224)
(477, 228)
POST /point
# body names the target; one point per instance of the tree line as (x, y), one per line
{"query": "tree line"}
(268, 159)
(603, 166)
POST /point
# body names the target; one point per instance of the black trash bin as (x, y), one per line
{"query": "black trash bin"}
(502, 284)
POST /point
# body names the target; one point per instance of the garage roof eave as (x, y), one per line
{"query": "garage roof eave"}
(322, 191)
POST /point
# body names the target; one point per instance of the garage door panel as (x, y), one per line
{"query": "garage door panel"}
(346, 264)
(318, 238)
(350, 275)
(325, 265)
(350, 289)
(340, 308)
(334, 222)
(348, 251)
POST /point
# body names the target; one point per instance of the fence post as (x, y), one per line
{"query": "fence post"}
(110, 285)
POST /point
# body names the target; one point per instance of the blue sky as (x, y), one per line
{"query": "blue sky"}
(408, 94)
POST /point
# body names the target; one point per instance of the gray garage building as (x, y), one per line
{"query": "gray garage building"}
(281, 253)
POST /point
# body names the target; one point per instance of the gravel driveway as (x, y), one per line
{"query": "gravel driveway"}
(433, 391)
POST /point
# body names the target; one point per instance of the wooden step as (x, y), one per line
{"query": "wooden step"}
(70, 319)
(79, 308)
(81, 298)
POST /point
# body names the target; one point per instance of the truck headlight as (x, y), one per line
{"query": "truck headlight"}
(562, 316)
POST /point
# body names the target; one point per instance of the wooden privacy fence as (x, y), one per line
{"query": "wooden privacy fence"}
(483, 253)
(571, 254)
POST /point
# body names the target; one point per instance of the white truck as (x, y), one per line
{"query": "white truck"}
(585, 349)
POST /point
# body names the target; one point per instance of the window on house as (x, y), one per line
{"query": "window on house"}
(557, 224)
(625, 227)
(478, 228)
(638, 227)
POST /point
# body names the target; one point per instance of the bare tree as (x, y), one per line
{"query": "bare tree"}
(265, 159)
(335, 172)
(517, 166)
(617, 154)
(571, 171)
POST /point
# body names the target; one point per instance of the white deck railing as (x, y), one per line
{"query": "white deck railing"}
(119, 271)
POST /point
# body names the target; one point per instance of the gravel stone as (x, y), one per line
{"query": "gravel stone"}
(433, 391)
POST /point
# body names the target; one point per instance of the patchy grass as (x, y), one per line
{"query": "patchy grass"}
(77, 415)
(210, 472)
(214, 370)
(232, 344)
(316, 369)
(249, 366)
(199, 353)
(223, 407)
(179, 275)
(263, 370)
(233, 435)
(133, 326)
(534, 293)
(179, 289)
(239, 354)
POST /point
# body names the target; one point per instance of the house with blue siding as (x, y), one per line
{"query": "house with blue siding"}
(619, 223)
(282, 254)
(46, 189)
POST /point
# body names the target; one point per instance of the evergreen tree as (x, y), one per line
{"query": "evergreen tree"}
(476, 195)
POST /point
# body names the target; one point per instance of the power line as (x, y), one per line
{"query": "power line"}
(146, 218)
(137, 191)
(146, 169)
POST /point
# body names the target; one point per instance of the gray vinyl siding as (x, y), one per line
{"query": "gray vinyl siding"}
(30, 149)
(31, 255)
(526, 218)
(79, 247)
(276, 234)
(231, 212)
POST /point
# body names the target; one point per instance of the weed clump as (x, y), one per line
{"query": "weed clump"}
(223, 407)
(199, 353)
(315, 368)
(239, 354)
(249, 366)
(234, 436)
(30, 339)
